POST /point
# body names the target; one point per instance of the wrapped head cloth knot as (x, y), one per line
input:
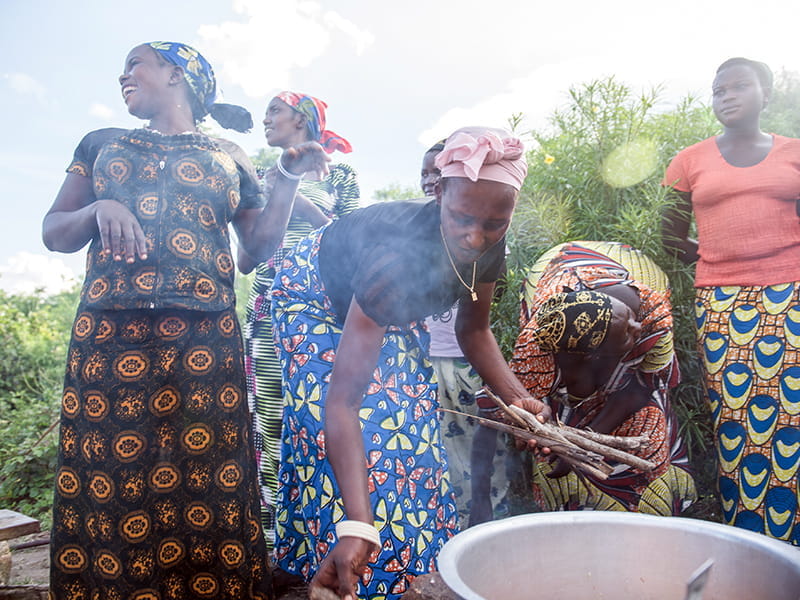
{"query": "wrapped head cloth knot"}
(199, 76)
(573, 322)
(484, 153)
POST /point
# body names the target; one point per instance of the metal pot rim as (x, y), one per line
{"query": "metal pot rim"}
(453, 550)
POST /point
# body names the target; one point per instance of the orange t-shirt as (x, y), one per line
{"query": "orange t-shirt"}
(748, 229)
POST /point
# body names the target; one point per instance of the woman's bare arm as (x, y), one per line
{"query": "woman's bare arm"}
(76, 217)
(675, 229)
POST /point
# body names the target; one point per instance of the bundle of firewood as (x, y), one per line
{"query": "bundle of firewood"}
(582, 449)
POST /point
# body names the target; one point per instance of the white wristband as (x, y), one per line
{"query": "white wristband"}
(358, 529)
(282, 170)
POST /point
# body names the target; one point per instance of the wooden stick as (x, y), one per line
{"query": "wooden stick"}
(526, 419)
(585, 460)
(573, 436)
(623, 442)
(582, 468)
(593, 446)
(610, 452)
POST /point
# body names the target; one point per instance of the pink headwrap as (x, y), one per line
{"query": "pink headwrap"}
(484, 153)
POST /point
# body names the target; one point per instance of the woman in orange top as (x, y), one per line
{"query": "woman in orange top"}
(743, 187)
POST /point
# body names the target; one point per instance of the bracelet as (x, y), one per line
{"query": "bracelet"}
(282, 170)
(358, 529)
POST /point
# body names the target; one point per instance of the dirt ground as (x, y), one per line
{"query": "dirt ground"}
(31, 567)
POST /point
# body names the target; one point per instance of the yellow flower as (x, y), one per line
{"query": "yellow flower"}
(549, 160)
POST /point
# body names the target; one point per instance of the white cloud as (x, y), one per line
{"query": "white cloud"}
(259, 52)
(360, 37)
(102, 112)
(535, 95)
(26, 273)
(26, 85)
(573, 43)
(545, 88)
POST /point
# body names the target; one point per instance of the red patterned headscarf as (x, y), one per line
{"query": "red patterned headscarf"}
(314, 110)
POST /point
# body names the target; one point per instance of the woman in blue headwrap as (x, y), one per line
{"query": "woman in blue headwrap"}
(155, 493)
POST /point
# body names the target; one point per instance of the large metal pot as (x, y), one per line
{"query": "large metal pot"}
(597, 555)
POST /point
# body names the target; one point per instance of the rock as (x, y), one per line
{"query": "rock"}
(321, 593)
(430, 586)
(5, 562)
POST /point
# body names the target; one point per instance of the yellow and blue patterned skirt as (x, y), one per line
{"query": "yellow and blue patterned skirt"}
(749, 340)
(412, 501)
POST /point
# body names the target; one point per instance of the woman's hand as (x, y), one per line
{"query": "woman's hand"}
(542, 413)
(343, 566)
(559, 468)
(304, 158)
(120, 231)
(535, 407)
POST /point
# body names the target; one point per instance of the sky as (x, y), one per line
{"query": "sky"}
(397, 76)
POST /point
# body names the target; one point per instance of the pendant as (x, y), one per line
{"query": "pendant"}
(474, 296)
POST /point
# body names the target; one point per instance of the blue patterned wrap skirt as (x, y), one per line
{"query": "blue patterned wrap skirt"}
(749, 341)
(411, 496)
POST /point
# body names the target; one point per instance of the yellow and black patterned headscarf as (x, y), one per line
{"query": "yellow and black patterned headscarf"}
(573, 322)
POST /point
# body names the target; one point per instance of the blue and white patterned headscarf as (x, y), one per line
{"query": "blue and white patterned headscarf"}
(200, 76)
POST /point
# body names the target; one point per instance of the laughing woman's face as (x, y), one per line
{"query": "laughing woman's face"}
(145, 79)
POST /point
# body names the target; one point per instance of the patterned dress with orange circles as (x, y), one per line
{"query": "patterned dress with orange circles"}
(155, 488)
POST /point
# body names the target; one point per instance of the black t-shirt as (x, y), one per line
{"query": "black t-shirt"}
(391, 257)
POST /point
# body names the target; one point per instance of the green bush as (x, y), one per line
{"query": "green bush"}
(34, 334)
(595, 174)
